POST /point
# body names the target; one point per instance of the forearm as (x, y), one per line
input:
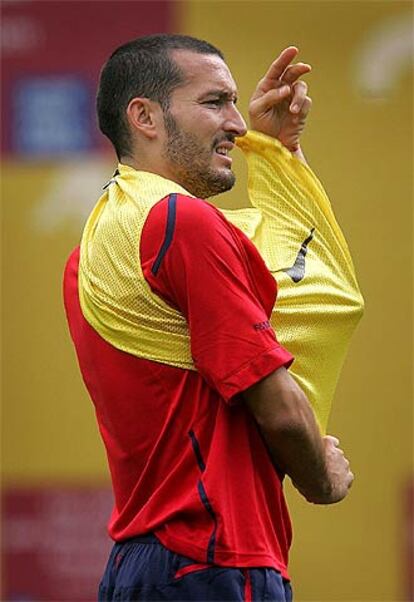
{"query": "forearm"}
(297, 449)
(316, 464)
(292, 436)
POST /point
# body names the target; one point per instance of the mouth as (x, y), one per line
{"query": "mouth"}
(223, 149)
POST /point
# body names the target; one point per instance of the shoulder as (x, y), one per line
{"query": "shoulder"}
(183, 224)
(187, 216)
(187, 208)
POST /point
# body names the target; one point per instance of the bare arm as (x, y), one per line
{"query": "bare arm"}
(316, 465)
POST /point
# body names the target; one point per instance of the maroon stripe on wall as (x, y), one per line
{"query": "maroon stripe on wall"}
(76, 37)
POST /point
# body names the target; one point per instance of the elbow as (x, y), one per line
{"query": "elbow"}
(290, 417)
(279, 406)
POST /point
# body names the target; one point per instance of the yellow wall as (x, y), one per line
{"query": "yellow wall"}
(362, 150)
(361, 147)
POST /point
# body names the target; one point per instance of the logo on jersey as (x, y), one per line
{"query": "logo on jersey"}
(262, 325)
(297, 271)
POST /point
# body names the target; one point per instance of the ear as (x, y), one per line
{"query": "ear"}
(143, 116)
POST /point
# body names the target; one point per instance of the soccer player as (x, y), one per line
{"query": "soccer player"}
(172, 308)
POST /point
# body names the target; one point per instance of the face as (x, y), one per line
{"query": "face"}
(201, 125)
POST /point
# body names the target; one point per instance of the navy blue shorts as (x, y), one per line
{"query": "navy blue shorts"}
(142, 569)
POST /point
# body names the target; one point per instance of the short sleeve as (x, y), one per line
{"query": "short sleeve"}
(206, 268)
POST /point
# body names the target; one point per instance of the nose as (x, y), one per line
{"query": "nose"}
(235, 122)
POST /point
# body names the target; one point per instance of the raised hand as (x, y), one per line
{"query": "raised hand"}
(279, 105)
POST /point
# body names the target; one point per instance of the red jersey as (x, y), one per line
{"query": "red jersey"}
(186, 458)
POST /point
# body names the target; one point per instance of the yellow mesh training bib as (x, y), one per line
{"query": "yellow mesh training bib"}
(319, 303)
(114, 295)
(293, 227)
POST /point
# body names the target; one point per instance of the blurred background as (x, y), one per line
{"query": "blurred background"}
(56, 495)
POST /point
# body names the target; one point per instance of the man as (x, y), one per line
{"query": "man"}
(169, 307)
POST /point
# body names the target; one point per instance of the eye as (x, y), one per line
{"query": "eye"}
(214, 102)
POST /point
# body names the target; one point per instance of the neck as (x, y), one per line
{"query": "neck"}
(156, 168)
(149, 168)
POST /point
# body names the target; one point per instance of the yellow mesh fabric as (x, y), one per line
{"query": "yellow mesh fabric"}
(314, 318)
(114, 295)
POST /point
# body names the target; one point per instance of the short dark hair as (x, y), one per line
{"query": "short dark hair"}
(142, 67)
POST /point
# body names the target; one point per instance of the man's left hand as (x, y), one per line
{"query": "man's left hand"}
(280, 104)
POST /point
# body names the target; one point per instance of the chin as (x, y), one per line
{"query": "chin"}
(222, 181)
(207, 183)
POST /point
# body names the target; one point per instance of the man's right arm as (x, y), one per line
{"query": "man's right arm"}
(316, 465)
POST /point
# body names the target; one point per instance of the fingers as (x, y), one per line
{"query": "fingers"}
(270, 99)
(279, 66)
(294, 72)
(332, 439)
(281, 71)
(349, 478)
(279, 105)
(300, 103)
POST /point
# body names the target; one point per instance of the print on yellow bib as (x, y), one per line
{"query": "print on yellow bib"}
(315, 317)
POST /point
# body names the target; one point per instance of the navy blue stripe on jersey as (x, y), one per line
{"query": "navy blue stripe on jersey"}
(212, 541)
(169, 231)
(203, 496)
(197, 451)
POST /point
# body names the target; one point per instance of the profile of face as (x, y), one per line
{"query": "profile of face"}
(201, 124)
